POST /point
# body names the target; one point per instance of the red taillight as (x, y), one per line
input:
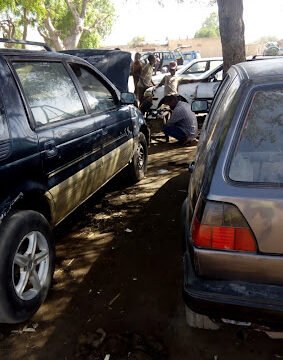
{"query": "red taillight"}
(222, 227)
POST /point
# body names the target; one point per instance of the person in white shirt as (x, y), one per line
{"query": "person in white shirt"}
(145, 80)
(170, 81)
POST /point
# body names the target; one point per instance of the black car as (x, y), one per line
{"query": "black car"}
(233, 262)
(65, 130)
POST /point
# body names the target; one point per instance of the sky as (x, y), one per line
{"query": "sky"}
(178, 21)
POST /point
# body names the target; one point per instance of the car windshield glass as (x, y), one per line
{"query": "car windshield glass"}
(200, 66)
(258, 156)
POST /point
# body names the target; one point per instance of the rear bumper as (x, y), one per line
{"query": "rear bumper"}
(259, 304)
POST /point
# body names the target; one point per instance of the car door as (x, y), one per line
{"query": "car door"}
(113, 118)
(206, 86)
(69, 138)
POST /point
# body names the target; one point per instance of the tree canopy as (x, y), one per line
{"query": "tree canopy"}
(64, 24)
(209, 28)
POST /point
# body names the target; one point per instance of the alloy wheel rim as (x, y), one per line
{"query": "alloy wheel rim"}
(30, 265)
(140, 156)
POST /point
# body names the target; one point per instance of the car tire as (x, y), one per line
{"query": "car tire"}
(27, 264)
(137, 166)
(199, 321)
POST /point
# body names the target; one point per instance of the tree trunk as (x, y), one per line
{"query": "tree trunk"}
(25, 23)
(232, 32)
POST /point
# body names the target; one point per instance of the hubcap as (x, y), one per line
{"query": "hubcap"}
(140, 151)
(30, 265)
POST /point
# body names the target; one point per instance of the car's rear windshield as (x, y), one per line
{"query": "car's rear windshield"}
(258, 157)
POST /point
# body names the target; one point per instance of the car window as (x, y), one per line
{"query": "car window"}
(187, 56)
(199, 66)
(258, 156)
(214, 63)
(219, 75)
(4, 134)
(98, 96)
(49, 91)
(222, 109)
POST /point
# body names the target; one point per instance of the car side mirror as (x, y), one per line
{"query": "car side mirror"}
(200, 106)
(128, 98)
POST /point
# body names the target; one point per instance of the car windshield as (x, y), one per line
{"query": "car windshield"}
(258, 156)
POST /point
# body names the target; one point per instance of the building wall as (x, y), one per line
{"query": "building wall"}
(208, 47)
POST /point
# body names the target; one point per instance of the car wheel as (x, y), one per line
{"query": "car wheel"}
(27, 265)
(199, 321)
(138, 164)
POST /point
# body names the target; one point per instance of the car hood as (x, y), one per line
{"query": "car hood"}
(114, 64)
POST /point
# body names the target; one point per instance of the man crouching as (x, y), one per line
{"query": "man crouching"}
(182, 124)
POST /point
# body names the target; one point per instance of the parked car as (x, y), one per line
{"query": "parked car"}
(233, 261)
(165, 58)
(193, 70)
(188, 56)
(65, 130)
(188, 86)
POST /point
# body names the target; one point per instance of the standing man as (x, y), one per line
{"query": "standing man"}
(136, 69)
(145, 80)
(182, 124)
(170, 81)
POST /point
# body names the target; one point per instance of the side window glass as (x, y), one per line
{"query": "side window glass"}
(215, 105)
(258, 156)
(213, 64)
(220, 103)
(4, 135)
(197, 67)
(98, 96)
(49, 91)
(219, 75)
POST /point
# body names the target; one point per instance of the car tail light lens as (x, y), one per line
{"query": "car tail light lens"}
(222, 226)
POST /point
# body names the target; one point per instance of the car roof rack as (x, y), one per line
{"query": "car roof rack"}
(24, 42)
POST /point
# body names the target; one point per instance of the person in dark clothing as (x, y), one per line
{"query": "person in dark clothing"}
(136, 69)
(182, 124)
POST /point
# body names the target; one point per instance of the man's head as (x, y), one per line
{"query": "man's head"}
(137, 56)
(171, 100)
(173, 67)
(151, 59)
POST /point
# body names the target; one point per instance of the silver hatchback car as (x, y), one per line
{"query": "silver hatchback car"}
(233, 216)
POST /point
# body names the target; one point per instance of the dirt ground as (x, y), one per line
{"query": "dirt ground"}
(118, 279)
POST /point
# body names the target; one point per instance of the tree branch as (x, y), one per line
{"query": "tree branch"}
(83, 11)
(53, 33)
(96, 23)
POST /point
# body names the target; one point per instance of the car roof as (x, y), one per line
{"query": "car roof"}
(260, 68)
(208, 59)
(36, 53)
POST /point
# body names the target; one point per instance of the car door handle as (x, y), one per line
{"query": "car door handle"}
(104, 132)
(50, 149)
(191, 166)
